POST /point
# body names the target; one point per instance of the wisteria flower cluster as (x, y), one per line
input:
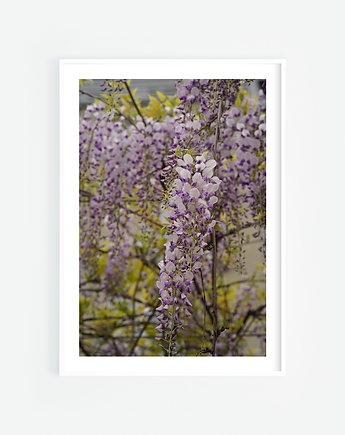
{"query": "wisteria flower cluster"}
(190, 211)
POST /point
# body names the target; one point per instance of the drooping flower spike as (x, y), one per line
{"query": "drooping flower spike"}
(190, 222)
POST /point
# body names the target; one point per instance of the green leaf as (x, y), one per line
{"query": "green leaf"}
(161, 96)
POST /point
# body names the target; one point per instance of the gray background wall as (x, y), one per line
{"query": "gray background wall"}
(309, 399)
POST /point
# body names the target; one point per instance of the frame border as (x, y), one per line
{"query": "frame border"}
(71, 363)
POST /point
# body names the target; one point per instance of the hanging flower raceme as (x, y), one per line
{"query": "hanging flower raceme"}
(204, 95)
(242, 167)
(120, 169)
(198, 112)
(190, 222)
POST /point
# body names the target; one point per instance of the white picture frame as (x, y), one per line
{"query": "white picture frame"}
(71, 70)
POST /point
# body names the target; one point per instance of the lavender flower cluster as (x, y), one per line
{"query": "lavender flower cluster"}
(241, 147)
(119, 166)
(204, 95)
(189, 214)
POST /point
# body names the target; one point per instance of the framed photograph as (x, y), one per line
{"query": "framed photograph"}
(171, 231)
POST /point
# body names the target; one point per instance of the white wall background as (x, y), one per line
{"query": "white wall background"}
(33, 36)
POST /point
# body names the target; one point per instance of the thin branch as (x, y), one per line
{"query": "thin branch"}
(134, 103)
(83, 348)
(142, 331)
(236, 230)
(127, 118)
(133, 298)
(206, 306)
(143, 216)
(85, 193)
(110, 318)
(214, 248)
(251, 313)
(214, 291)
(240, 281)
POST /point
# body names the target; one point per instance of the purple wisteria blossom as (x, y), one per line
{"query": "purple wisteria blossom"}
(190, 223)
